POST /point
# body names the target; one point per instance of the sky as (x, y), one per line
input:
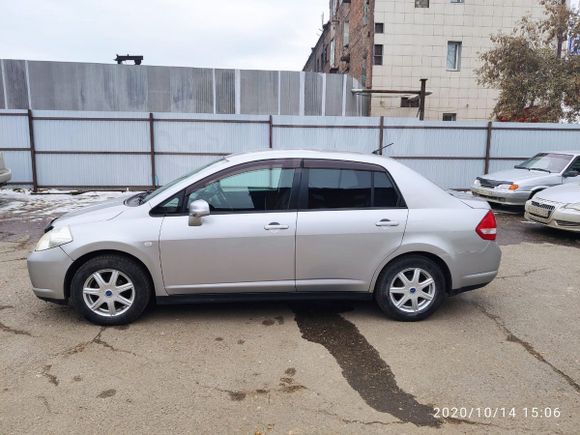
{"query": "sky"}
(245, 34)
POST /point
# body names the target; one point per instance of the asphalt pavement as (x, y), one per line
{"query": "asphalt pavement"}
(503, 358)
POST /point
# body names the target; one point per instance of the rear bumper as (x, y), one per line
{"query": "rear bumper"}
(475, 269)
(468, 288)
(505, 197)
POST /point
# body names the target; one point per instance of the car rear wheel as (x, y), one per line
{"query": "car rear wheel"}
(411, 288)
(110, 290)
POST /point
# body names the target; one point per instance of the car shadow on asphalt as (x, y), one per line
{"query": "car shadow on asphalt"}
(266, 313)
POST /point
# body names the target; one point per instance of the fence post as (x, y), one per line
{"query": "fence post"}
(422, 97)
(32, 151)
(488, 147)
(381, 135)
(152, 150)
(271, 132)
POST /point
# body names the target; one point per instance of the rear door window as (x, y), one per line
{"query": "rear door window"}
(339, 188)
(352, 186)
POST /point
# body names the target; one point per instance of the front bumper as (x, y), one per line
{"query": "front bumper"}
(47, 270)
(560, 218)
(506, 197)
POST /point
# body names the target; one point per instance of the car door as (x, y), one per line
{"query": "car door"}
(351, 217)
(246, 244)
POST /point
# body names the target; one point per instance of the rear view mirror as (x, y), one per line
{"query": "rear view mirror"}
(197, 210)
(570, 174)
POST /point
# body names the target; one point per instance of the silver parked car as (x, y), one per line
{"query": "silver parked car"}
(515, 186)
(557, 207)
(5, 173)
(271, 225)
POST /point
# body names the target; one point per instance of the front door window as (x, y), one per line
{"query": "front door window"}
(260, 190)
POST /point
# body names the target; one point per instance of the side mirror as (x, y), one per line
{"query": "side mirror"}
(197, 210)
(570, 174)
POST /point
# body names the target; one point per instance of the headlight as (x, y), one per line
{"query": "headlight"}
(54, 238)
(575, 206)
(508, 187)
(477, 183)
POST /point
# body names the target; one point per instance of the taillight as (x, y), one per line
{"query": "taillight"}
(487, 228)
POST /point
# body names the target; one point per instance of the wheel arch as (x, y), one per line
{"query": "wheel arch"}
(431, 256)
(86, 257)
(537, 189)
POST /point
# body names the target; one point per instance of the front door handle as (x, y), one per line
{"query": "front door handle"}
(387, 223)
(275, 226)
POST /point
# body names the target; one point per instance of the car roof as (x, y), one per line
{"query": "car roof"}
(305, 154)
(573, 153)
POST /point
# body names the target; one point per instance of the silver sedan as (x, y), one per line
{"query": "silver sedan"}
(515, 186)
(271, 225)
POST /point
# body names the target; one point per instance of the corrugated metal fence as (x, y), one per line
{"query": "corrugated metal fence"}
(54, 149)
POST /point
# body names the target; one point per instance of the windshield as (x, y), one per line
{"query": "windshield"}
(153, 194)
(548, 162)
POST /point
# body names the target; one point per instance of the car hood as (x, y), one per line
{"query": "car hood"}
(565, 193)
(103, 211)
(519, 176)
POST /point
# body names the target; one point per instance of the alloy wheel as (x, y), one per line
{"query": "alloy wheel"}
(412, 290)
(108, 292)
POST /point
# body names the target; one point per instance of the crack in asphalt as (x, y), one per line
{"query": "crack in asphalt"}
(81, 347)
(356, 421)
(44, 401)
(286, 385)
(525, 274)
(528, 347)
(362, 366)
(14, 331)
(51, 378)
(12, 259)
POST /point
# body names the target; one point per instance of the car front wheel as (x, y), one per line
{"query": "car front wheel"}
(411, 288)
(110, 290)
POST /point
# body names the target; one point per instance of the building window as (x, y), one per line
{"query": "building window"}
(378, 55)
(410, 102)
(333, 7)
(421, 3)
(345, 34)
(363, 76)
(332, 53)
(450, 117)
(379, 28)
(454, 56)
(366, 12)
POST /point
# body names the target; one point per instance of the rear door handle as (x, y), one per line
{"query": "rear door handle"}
(275, 226)
(387, 223)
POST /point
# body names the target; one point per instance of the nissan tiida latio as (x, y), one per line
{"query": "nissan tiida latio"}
(271, 225)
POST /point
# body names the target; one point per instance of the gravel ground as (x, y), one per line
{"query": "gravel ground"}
(297, 368)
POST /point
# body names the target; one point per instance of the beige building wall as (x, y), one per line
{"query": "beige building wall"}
(415, 44)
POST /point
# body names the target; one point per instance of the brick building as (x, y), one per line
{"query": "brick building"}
(392, 44)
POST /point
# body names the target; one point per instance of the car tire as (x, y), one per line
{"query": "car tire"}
(111, 290)
(419, 303)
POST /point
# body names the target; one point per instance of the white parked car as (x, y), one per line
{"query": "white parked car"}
(557, 207)
(5, 173)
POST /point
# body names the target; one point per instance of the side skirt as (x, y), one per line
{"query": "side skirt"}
(250, 297)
